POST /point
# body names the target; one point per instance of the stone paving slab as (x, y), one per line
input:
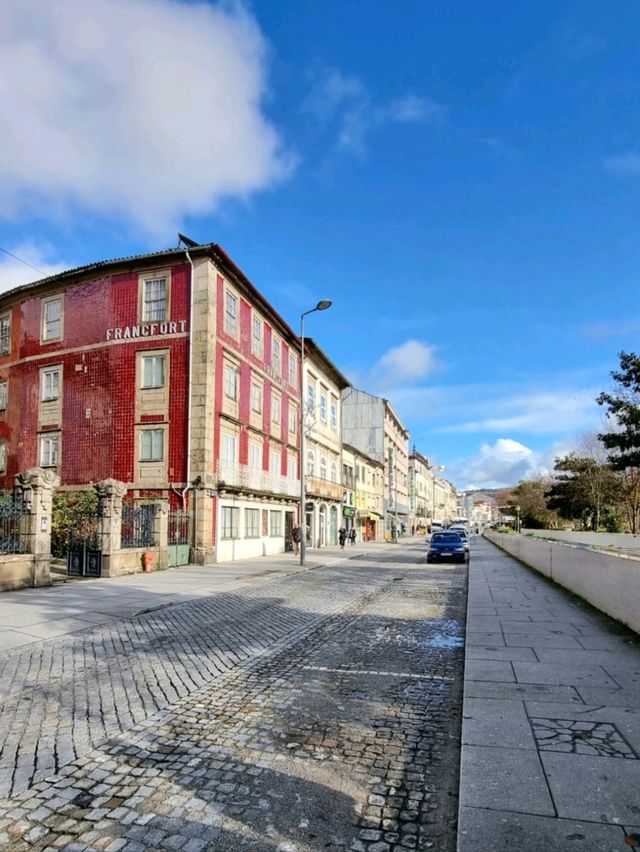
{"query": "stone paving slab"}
(551, 747)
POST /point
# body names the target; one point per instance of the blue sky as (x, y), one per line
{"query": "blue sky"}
(462, 180)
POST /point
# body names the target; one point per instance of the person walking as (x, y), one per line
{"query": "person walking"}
(352, 536)
(342, 537)
(296, 535)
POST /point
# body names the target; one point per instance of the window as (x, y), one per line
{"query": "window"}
(275, 523)
(311, 397)
(49, 450)
(323, 468)
(152, 445)
(3, 456)
(230, 521)
(334, 415)
(323, 407)
(275, 355)
(231, 381)
(293, 372)
(274, 462)
(291, 467)
(3, 395)
(334, 472)
(52, 320)
(231, 313)
(256, 399)
(293, 420)
(252, 523)
(153, 371)
(229, 448)
(255, 456)
(311, 463)
(154, 300)
(5, 334)
(275, 409)
(256, 336)
(50, 384)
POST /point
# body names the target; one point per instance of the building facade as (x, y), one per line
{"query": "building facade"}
(369, 495)
(169, 372)
(325, 505)
(371, 425)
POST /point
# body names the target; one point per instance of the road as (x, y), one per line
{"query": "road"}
(315, 711)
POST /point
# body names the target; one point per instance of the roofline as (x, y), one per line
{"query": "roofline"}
(212, 250)
(327, 363)
(357, 452)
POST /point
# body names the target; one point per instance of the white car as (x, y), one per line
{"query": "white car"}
(463, 533)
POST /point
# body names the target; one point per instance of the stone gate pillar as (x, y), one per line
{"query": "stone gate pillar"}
(110, 494)
(161, 532)
(37, 485)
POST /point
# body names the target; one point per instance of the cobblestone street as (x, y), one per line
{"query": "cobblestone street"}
(317, 711)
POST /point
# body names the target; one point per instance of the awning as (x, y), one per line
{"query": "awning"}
(374, 516)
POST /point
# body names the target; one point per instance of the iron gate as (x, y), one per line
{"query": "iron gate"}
(178, 538)
(84, 546)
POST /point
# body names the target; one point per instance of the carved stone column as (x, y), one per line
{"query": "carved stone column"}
(38, 485)
(110, 494)
(161, 532)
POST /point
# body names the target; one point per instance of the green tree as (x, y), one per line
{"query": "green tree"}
(68, 509)
(530, 496)
(583, 487)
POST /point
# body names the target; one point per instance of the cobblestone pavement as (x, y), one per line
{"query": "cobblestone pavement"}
(318, 712)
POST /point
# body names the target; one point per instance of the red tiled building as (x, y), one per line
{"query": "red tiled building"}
(169, 372)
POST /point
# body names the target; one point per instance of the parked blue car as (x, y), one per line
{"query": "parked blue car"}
(447, 547)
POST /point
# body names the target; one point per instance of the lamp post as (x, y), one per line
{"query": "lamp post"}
(321, 306)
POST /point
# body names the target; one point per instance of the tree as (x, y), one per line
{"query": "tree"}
(623, 408)
(530, 496)
(583, 488)
(623, 441)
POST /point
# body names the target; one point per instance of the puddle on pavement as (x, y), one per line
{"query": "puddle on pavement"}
(446, 636)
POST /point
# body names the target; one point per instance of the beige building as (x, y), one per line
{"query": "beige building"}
(324, 504)
(421, 492)
(367, 478)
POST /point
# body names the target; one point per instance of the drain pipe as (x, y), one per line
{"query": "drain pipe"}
(183, 492)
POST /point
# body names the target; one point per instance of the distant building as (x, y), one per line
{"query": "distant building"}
(363, 477)
(371, 425)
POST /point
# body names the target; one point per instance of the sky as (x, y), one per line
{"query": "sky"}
(462, 180)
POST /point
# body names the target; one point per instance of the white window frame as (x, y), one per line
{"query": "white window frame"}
(149, 450)
(275, 462)
(3, 456)
(231, 317)
(334, 415)
(5, 333)
(52, 329)
(154, 360)
(229, 448)
(231, 380)
(293, 369)
(155, 300)
(275, 523)
(276, 409)
(50, 450)
(255, 455)
(276, 355)
(4, 395)
(229, 522)
(323, 468)
(323, 407)
(292, 464)
(48, 393)
(293, 419)
(334, 472)
(256, 398)
(311, 396)
(311, 463)
(257, 335)
(251, 529)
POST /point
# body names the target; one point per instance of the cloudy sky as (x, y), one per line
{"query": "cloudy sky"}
(462, 180)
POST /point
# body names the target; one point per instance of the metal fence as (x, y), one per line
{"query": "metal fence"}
(14, 524)
(138, 526)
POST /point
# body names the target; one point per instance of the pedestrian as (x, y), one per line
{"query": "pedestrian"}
(352, 536)
(342, 537)
(296, 535)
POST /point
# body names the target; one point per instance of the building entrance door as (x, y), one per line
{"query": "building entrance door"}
(288, 532)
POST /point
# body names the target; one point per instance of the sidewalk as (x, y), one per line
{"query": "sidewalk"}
(551, 721)
(33, 615)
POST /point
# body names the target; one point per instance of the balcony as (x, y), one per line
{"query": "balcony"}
(245, 478)
(323, 488)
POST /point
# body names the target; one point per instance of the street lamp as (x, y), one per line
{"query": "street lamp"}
(322, 305)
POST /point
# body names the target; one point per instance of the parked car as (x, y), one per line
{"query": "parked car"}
(463, 533)
(447, 546)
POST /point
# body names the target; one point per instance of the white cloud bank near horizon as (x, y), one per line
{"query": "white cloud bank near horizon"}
(13, 272)
(506, 462)
(149, 110)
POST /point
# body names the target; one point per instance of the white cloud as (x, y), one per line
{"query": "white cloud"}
(626, 165)
(13, 273)
(344, 101)
(403, 365)
(506, 462)
(145, 109)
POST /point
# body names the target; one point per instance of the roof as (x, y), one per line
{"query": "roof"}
(215, 251)
(312, 348)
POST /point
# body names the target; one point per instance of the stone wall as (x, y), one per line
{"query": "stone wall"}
(611, 583)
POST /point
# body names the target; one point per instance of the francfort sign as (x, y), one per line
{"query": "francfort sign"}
(151, 329)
